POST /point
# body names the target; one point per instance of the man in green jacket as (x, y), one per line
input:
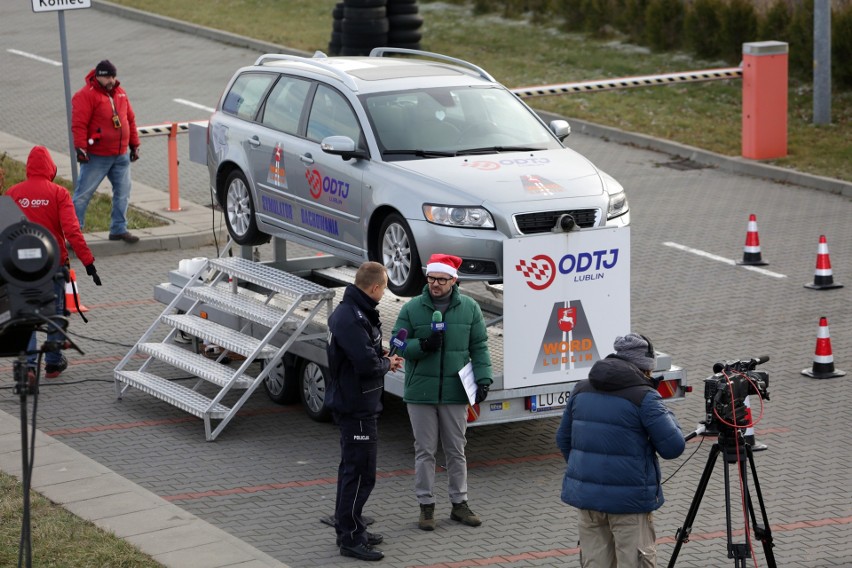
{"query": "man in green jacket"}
(446, 331)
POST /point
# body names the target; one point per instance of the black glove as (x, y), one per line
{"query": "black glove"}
(82, 156)
(481, 393)
(433, 342)
(92, 271)
(134, 153)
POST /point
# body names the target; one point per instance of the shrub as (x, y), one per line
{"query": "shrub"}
(800, 36)
(703, 28)
(776, 22)
(634, 13)
(739, 25)
(664, 24)
(574, 17)
(595, 14)
(841, 40)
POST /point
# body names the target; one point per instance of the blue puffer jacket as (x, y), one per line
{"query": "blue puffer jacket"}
(613, 427)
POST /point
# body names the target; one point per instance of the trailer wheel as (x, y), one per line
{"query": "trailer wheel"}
(313, 388)
(280, 384)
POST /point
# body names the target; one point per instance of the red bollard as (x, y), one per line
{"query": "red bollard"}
(174, 187)
(765, 87)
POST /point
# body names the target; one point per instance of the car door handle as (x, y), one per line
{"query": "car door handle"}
(306, 159)
(254, 141)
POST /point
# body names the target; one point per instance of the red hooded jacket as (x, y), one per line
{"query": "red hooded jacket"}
(91, 119)
(49, 204)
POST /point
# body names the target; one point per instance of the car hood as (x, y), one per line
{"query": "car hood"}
(514, 176)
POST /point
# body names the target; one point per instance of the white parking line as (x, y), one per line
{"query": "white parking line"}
(36, 57)
(723, 260)
(194, 105)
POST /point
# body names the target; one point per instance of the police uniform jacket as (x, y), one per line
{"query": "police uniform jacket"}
(612, 428)
(433, 377)
(356, 363)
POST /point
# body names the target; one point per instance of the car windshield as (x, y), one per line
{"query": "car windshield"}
(449, 121)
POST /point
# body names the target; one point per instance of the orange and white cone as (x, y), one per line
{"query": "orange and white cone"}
(70, 288)
(823, 367)
(751, 250)
(823, 278)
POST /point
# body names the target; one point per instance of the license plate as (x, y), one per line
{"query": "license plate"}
(549, 401)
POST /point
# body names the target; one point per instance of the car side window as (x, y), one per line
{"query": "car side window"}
(284, 105)
(331, 115)
(246, 94)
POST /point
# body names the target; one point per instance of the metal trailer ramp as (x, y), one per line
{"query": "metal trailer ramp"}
(269, 301)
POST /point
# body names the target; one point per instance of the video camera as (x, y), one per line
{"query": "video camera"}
(725, 393)
(29, 266)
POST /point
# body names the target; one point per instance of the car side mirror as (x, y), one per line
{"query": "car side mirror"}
(342, 146)
(561, 129)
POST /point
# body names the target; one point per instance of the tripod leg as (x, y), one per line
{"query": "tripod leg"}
(738, 551)
(683, 532)
(763, 533)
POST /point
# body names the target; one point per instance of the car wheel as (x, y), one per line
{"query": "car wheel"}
(397, 251)
(240, 212)
(281, 385)
(313, 383)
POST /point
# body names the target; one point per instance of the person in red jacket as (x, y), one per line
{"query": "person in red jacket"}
(49, 205)
(104, 127)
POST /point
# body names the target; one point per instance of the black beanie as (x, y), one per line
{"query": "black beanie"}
(105, 69)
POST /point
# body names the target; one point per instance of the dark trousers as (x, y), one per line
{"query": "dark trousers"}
(356, 476)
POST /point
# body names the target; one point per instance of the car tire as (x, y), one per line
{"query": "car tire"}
(399, 9)
(313, 384)
(364, 3)
(396, 37)
(405, 22)
(397, 251)
(365, 27)
(240, 212)
(362, 14)
(280, 384)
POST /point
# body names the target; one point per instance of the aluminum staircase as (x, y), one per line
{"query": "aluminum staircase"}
(274, 300)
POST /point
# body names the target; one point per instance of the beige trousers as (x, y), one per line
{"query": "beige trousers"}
(617, 541)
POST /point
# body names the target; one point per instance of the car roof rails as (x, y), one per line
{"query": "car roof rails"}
(313, 61)
(381, 51)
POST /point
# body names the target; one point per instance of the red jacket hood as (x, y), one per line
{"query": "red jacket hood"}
(40, 164)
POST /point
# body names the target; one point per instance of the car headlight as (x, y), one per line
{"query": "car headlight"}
(470, 217)
(617, 198)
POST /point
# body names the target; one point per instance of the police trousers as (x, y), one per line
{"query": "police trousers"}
(356, 476)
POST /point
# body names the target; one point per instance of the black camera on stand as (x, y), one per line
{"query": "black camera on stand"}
(725, 393)
(727, 416)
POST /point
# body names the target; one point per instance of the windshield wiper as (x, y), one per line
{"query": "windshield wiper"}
(498, 149)
(420, 153)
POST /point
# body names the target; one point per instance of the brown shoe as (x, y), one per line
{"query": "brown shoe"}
(126, 237)
(462, 513)
(427, 517)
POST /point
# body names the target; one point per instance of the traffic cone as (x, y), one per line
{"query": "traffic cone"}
(823, 367)
(823, 279)
(70, 287)
(749, 432)
(751, 250)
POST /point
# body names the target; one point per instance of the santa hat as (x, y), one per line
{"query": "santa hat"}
(445, 263)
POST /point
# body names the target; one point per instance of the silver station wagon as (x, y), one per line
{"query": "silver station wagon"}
(393, 159)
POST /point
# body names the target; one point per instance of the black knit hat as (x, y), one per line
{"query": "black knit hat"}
(105, 69)
(636, 349)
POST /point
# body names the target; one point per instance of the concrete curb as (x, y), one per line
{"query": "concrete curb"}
(169, 534)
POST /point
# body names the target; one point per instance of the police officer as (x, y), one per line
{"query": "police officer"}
(358, 365)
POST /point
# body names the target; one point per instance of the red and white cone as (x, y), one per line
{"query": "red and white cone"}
(823, 367)
(823, 278)
(749, 432)
(70, 288)
(751, 250)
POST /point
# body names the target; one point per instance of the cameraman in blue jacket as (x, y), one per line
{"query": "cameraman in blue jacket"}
(614, 426)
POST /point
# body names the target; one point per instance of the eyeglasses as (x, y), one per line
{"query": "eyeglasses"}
(433, 279)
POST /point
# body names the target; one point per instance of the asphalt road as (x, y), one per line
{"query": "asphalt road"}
(275, 469)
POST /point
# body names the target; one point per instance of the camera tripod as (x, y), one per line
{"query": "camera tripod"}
(730, 445)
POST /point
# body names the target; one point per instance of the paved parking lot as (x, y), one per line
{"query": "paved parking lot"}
(271, 475)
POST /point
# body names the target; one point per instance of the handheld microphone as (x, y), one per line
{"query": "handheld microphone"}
(398, 342)
(438, 321)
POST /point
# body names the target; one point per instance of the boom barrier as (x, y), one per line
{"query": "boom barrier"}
(628, 82)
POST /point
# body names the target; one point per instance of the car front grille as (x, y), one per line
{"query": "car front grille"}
(543, 221)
